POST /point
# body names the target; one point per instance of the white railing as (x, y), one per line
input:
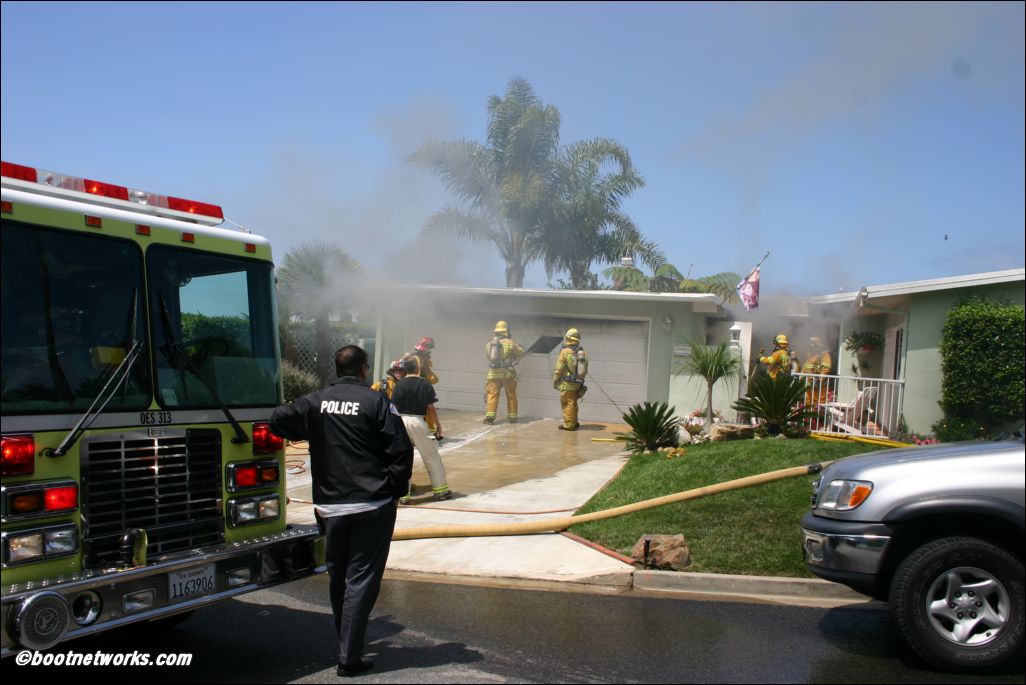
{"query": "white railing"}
(853, 405)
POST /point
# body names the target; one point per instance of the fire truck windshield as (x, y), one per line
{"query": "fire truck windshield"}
(66, 298)
(220, 311)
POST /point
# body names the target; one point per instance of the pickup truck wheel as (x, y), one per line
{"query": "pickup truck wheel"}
(959, 602)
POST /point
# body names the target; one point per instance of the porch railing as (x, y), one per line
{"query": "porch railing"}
(854, 405)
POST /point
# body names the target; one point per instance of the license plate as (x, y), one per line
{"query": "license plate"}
(190, 583)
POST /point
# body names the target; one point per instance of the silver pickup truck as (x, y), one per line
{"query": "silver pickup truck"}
(938, 532)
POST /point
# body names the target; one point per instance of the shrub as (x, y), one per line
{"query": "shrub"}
(297, 382)
(983, 348)
(653, 426)
(958, 430)
(777, 402)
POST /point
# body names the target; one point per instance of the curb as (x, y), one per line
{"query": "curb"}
(726, 584)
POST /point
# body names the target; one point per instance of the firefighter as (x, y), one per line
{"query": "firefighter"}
(387, 384)
(819, 362)
(568, 377)
(780, 359)
(502, 354)
(422, 353)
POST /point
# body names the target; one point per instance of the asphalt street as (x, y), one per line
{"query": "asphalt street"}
(423, 632)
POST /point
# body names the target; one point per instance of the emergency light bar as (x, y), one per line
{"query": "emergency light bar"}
(98, 192)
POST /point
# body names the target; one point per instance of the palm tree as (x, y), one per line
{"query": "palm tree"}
(712, 363)
(584, 221)
(723, 285)
(504, 184)
(666, 278)
(308, 278)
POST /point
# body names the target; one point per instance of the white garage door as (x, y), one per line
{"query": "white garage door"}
(617, 354)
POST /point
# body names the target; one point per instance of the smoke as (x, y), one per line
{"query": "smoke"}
(370, 201)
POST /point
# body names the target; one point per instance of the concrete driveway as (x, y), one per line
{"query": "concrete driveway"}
(502, 473)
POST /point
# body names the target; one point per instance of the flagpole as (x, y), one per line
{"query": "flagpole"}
(757, 266)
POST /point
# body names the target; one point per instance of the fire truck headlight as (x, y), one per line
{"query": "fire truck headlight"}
(269, 508)
(21, 548)
(243, 511)
(59, 542)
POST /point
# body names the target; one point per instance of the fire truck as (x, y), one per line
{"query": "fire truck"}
(140, 364)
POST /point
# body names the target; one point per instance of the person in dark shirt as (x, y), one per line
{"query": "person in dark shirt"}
(414, 398)
(361, 460)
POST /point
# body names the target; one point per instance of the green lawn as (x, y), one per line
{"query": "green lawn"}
(752, 531)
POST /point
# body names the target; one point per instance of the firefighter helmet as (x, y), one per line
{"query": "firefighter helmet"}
(425, 344)
(780, 340)
(501, 327)
(815, 342)
(573, 334)
(397, 365)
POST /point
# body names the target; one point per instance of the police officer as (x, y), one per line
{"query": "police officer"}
(502, 354)
(361, 461)
(568, 377)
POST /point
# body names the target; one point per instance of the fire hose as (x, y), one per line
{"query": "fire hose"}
(557, 524)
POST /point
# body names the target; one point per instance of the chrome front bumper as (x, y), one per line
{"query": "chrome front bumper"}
(292, 554)
(843, 552)
(847, 552)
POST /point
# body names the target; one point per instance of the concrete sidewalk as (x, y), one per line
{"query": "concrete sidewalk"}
(508, 473)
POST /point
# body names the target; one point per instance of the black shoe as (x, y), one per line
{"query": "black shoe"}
(564, 428)
(350, 670)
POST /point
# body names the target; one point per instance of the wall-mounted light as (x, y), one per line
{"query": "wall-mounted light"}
(735, 335)
(667, 323)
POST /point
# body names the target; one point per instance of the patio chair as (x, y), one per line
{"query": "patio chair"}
(855, 417)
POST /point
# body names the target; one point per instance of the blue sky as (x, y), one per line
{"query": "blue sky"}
(860, 144)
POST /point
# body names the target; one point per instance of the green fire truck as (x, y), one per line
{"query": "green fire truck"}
(140, 365)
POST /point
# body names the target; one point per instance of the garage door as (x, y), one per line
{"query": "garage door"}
(617, 354)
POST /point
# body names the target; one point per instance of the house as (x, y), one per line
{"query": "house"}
(631, 340)
(637, 341)
(908, 318)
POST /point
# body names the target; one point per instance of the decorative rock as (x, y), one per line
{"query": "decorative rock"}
(683, 437)
(667, 552)
(731, 431)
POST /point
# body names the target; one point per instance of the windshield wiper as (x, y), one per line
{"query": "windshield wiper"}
(180, 359)
(117, 377)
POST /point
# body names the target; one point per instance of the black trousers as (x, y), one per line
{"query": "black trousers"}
(356, 550)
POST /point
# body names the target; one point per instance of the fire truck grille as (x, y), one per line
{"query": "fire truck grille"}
(170, 486)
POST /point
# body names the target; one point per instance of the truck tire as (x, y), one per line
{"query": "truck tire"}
(959, 602)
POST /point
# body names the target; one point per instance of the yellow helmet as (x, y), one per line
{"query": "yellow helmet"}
(781, 340)
(572, 334)
(501, 327)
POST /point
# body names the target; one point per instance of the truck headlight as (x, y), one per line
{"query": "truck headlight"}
(844, 495)
(21, 548)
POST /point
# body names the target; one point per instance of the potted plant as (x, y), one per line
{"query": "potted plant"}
(863, 342)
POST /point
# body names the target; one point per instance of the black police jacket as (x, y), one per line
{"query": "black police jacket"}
(359, 449)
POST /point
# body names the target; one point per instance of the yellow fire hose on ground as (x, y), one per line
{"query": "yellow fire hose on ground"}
(558, 524)
(867, 439)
